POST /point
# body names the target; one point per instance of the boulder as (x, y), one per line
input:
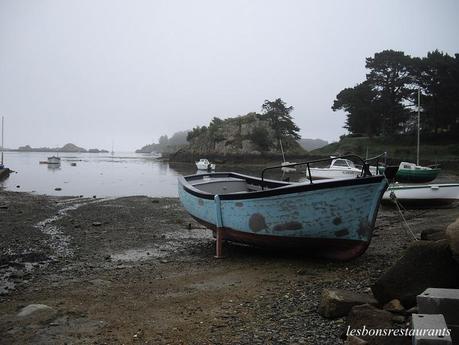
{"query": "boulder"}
(394, 306)
(36, 313)
(336, 303)
(433, 234)
(352, 340)
(365, 321)
(452, 234)
(424, 265)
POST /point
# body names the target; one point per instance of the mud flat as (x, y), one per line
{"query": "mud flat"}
(139, 270)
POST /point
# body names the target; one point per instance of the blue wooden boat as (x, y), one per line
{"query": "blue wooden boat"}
(327, 218)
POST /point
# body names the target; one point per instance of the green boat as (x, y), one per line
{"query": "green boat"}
(410, 172)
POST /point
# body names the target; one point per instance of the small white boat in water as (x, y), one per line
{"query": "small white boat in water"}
(339, 168)
(54, 160)
(286, 168)
(204, 164)
(422, 195)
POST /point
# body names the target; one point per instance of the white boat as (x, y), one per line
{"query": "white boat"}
(54, 160)
(285, 167)
(422, 195)
(204, 164)
(339, 168)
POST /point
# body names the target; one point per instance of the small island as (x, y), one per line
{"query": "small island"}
(69, 148)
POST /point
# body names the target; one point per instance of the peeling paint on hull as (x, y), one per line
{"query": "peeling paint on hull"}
(319, 221)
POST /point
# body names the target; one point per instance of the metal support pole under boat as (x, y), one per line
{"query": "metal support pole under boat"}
(219, 222)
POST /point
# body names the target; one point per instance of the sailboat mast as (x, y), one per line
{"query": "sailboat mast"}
(419, 124)
(2, 140)
(282, 149)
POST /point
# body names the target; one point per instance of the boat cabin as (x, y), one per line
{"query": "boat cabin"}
(342, 163)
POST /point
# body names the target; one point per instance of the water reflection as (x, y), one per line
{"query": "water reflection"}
(54, 167)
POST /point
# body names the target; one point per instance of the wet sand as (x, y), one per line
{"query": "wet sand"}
(133, 271)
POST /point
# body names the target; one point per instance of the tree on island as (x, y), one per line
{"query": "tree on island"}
(281, 120)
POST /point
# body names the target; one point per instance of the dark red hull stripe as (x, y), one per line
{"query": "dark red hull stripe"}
(318, 247)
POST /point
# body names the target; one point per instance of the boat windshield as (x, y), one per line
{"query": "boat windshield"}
(343, 163)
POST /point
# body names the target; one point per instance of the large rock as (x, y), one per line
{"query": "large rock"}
(394, 306)
(365, 321)
(452, 234)
(433, 234)
(35, 313)
(424, 265)
(336, 303)
(351, 340)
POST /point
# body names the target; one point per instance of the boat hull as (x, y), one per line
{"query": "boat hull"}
(201, 166)
(54, 160)
(327, 173)
(4, 173)
(416, 176)
(333, 219)
(423, 195)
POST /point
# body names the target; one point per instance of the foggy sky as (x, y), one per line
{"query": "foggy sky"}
(89, 72)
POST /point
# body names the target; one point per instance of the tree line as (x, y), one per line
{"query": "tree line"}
(385, 103)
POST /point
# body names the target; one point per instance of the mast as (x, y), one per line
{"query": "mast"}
(2, 141)
(419, 125)
(282, 149)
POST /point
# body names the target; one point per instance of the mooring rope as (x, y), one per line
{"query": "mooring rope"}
(393, 197)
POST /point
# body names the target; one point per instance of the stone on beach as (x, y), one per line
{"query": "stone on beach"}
(37, 313)
(452, 234)
(371, 318)
(424, 265)
(394, 306)
(335, 303)
(352, 340)
(433, 234)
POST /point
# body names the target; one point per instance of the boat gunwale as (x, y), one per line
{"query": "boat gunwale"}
(279, 187)
(426, 186)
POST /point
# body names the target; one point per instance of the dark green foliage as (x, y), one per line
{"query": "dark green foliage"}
(360, 101)
(196, 132)
(282, 122)
(260, 137)
(437, 75)
(386, 102)
(166, 144)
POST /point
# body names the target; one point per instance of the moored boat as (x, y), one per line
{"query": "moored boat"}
(287, 167)
(54, 160)
(4, 171)
(427, 195)
(413, 173)
(204, 164)
(327, 218)
(338, 168)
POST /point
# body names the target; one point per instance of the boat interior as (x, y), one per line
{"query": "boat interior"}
(229, 183)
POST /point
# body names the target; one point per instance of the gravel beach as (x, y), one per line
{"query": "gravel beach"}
(139, 270)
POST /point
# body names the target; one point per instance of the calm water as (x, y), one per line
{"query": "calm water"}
(94, 174)
(122, 174)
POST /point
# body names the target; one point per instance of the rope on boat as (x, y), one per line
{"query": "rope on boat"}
(393, 197)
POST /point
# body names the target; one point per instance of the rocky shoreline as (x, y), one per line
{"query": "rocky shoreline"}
(140, 270)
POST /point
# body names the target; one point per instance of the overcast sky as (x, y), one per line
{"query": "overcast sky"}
(89, 72)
